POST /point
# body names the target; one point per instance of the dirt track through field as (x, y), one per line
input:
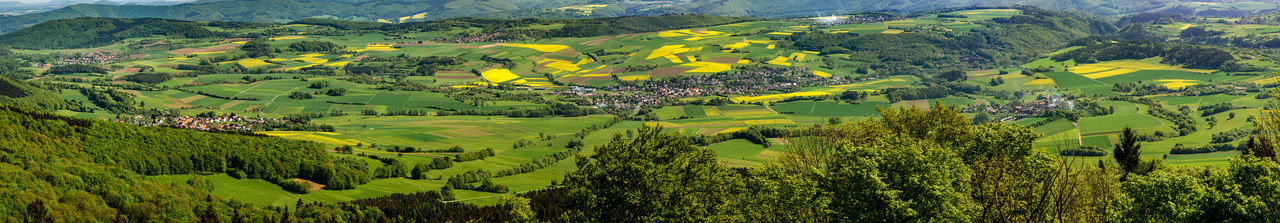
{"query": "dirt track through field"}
(496, 195)
(250, 88)
(273, 99)
(1079, 137)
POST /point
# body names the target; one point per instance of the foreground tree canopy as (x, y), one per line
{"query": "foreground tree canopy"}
(911, 165)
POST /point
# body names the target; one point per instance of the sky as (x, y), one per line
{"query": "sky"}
(44, 1)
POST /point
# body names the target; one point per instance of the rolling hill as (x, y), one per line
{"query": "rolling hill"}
(401, 11)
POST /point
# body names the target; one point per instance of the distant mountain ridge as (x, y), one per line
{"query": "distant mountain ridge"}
(267, 11)
(400, 10)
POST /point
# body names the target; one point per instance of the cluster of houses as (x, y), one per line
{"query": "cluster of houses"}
(853, 19)
(223, 123)
(666, 91)
(1015, 109)
(487, 37)
(95, 57)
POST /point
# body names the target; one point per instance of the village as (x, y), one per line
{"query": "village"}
(854, 19)
(219, 123)
(1015, 110)
(669, 90)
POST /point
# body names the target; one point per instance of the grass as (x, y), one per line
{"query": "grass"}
(1075, 83)
(1111, 124)
(741, 153)
(829, 108)
(470, 132)
(266, 193)
(670, 112)
(695, 111)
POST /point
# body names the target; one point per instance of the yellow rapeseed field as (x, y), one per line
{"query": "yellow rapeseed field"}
(669, 50)
(1089, 68)
(711, 111)
(422, 15)
(769, 121)
(731, 130)
(251, 63)
(540, 47)
(499, 75)
(738, 45)
(634, 77)
(312, 136)
(1109, 73)
(779, 97)
(673, 58)
(691, 33)
(707, 67)
(1177, 84)
(1039, 82)
(798, 57)
(821, 74)
(287, 37)
(312, 60)
(780, 61)
(1267, 80)
(1121, 67)
(559, 64)
(749, 112)
(303, 66)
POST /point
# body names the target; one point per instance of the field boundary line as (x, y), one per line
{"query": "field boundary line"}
(273, 99)
(1079, 136)
(497, 195)
(1101, 133)
(242, 91)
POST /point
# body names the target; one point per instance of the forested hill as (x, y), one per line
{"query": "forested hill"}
(1002, 41)
(799, 8)
(400, 11)
(22, 94)
(571, 27)
(79, 170)
(94, 32)
(267, 11)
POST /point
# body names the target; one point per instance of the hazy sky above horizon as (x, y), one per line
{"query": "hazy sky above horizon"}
(44, 1)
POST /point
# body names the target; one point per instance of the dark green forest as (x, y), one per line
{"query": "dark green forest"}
(94, 32)
(1004, 42)
(78, 170)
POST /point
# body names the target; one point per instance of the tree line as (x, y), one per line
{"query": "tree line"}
(1173, 53)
